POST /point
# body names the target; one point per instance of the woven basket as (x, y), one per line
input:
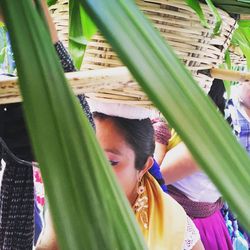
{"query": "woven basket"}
(181, 27)
(60, 15)
(238, 60)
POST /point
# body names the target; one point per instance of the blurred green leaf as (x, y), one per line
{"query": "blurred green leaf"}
(81, 29)
(227, 65)
(51, 2)
(227, 84)
(218, 19)
(241, 38)
(228, 59)
(233, 6)
(195, 5)
(2, 55)
(244, 1)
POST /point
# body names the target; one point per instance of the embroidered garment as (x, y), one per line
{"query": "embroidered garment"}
(39, 188)
(39, 202)
(161, 130)
(66, 61)
(192, 235)
(165, 224)
(194, 209)
(16, 205)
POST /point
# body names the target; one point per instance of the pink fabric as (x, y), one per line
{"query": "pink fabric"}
(162, 132)
(213, 232)
(39, 187)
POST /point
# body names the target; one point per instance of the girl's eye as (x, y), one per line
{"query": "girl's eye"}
(113, 163)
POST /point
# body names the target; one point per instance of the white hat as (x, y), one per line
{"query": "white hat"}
(121, 110)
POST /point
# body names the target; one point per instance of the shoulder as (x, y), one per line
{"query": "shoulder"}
(181, 227)
(176, 215)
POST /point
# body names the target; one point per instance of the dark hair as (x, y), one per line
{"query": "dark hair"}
(139, 134)
(216, 93)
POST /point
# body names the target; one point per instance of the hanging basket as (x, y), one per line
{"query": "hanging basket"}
(178, 24)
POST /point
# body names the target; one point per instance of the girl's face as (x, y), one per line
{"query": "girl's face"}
(120, 155)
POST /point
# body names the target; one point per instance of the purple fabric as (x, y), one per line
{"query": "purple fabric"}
(213, 232)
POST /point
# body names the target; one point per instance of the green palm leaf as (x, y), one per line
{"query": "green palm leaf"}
(88, 208)
(241, 38)
(218, 19)
(81, 29)
(174, 92)
(51, 2)
(195, 5)
(234, 6)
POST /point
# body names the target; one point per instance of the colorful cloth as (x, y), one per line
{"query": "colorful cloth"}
(39, 201)
(213, 232)
(39, 188)
(161, 130)
(167, 221)
(208, 219)
(239, 240)
(195, 209)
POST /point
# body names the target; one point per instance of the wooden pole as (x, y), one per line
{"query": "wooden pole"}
(99, 80)
(82, 82)
(230, 75)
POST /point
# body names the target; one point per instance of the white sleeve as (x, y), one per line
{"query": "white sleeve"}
(192, 235)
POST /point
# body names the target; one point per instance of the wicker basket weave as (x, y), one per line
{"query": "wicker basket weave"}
(60, 15)
(183, 31)
(181, 27)
(238, 60)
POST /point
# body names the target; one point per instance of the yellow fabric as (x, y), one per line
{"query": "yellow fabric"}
(167, 220)
(174, 140)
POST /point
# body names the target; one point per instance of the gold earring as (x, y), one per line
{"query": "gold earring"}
(141, 204)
